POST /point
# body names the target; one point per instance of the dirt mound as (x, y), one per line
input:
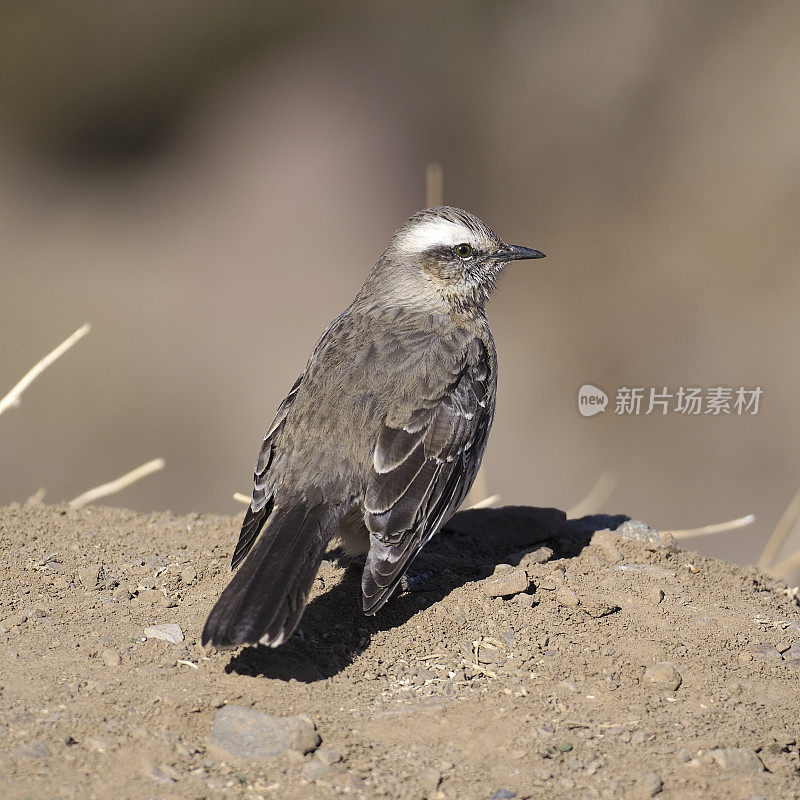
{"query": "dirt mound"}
(527, 657)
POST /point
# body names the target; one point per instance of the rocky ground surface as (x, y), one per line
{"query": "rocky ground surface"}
(528, 658)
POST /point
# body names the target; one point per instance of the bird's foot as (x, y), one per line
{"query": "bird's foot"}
(415, 583)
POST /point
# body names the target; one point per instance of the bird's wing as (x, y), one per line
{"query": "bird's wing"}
(262, 502)
(422, 471)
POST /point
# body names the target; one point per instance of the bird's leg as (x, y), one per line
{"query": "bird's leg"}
(415, 582)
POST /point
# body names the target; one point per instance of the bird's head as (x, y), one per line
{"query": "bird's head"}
(457, 255)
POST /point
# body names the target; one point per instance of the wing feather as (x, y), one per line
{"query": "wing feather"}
(262, 502)
(422, 472)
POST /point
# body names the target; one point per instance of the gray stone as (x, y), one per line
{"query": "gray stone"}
(328, 756)
(88, 576)
(531, 556)
(648, 785)
(656, 595)
(429, 779)
(316, 770)
(188, 575)
(524, 600)
(121, 593)
(599, 608)
(31, 751)
(792, 655)
(606, 541)
(168, 632)
(737, 759)
(489, 653)
(164, 773)
(567, 598)
(254, 736)
(637, 530)
(763, 652)
(506, 584)
(662, 676)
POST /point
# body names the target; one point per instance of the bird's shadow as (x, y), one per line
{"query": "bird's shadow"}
(334, 630)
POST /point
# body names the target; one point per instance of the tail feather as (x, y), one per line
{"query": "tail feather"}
(267, 596)
(251, 527)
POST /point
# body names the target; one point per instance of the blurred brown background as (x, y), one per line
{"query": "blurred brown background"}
(208, 182)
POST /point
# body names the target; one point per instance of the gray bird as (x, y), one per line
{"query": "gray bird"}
(380, 438)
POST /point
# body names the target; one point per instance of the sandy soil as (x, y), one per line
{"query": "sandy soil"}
(628, 668)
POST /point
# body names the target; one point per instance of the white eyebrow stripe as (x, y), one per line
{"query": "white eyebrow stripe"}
(435, 232)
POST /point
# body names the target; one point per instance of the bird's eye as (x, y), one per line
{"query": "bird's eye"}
(463, 250)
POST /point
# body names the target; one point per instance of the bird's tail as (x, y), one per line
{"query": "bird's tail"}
(267, 596)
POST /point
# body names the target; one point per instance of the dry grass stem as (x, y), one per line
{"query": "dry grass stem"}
(487, 502)
(785, 568)
(478, 492)
(120, 483)
(719, 527)
(434, 185)
(241, 498)
(778, 537)
(12, 399)
(600, 492)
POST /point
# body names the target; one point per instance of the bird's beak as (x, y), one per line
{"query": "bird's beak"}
(516, 252)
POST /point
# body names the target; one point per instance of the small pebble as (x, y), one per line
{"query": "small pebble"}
(524, 600)
(638, 530)
(188, 575)
(655, 596)
(110, 658)
(253, 735)
(606, 542)
(121, 594)
(169, 632)
(88, 576)
(599, 608)
(171, 773)
(662, 676)
(567, 598)
(429, 779)
(792, 655)
(737, 759)
(328, 756)
(763, 652)
(506, 584)
(532, 556)
(648, 785)
(158, 775)
(316, 770)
